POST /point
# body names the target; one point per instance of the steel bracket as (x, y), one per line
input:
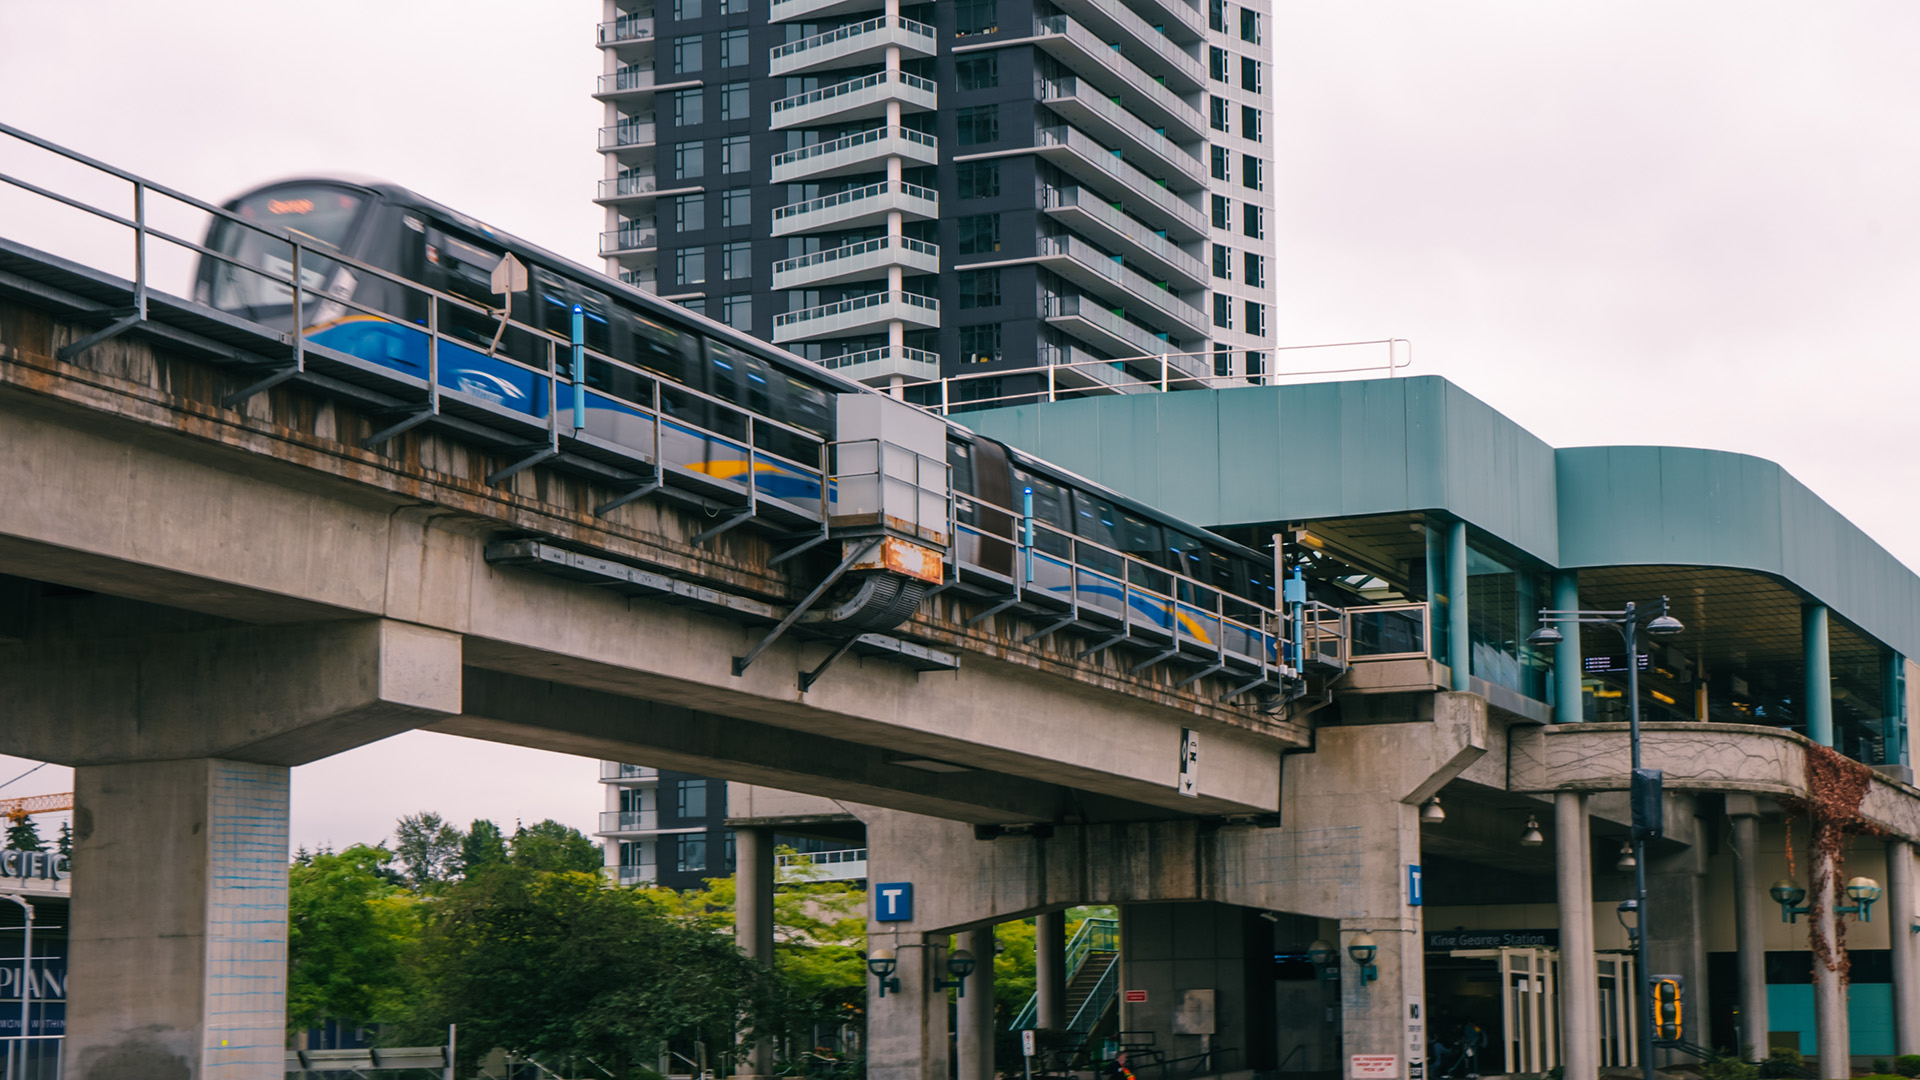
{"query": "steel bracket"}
(246, 393)
(1104, 645)
(626, 497)
(408, 423)
(808, 678)
(114, 329)
(741, 663)
(535, 454)
(740, 518)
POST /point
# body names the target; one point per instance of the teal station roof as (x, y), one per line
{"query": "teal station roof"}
(1255, 455)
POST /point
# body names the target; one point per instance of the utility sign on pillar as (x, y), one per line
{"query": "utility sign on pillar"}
(1416, 1039)
(1189, 763)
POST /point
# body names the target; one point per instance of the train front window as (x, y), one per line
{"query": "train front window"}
(258, 269)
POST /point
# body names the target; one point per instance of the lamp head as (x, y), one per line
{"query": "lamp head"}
(1362, 948)
(882, 962)
(1431, 812)
(960, 963)
(1786, 892)
(1863, 888)
(1531, 836)
(1627, 861)
(1321, 953)
(1664, 626)
(1548, 634)
(1629, 915)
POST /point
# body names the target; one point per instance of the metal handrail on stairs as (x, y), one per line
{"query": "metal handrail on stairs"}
(1093, 935)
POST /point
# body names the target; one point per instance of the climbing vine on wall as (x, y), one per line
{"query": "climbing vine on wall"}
(1836, 786)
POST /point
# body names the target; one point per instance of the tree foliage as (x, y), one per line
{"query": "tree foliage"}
(555, 848)
(24, 835)
(349, 927)
(483, 846)
(428, 848)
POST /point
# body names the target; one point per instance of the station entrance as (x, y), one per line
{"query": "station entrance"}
(1497, 1011)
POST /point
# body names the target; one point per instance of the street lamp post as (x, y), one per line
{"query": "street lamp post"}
(1627, 622)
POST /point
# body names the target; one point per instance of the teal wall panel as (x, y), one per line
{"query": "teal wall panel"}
(1869, 1017)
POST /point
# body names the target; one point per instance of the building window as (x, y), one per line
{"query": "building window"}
(1222, 262)
(1252, 173)
(978, 288)
(972, 17)
(632, 852)
(696, 304)
(733, 49)
(690, 796)
(1220, 159)
(736, 208)
(978, 124)
(1256, 318)
(1216, 20)
(689, 264)
(1253, 221)
(978, 344)
(978, 233)
(689, 107)
(1216, 66)
(973, 72)
(1249, 78)
(1221, 216)
(1250, 122)
(1222, 311)
(688, 50)
(735, 103)
(736, 260)
(1256, 270)
(1216, 115)
(693, 849)
(682, 10)
(1256, 365)
(689, 213)
(1249, 27)
(977, 180)
(1222, 359)
(733, 155)
(689, 160)
(727, 7)
(735, 311)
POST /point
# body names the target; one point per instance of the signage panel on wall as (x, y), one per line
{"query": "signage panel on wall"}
(893, 901)
(1374, 1067)
(1449, 940)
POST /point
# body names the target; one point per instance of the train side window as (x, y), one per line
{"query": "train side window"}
(598, 330)
(1049, 507)
(618, 380)
(809, 407)
(662, 348)
(960, 463)
(465, 269)
(555, 307)
(801, 405)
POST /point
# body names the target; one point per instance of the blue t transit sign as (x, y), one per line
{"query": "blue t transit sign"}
(1413, 885)
(893, 901)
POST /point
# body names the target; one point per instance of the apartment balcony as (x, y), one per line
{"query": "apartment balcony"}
(631, 240)
(1157, 53)
(1113, 177)
(629, 875)
(847, 865)
(856, 208)
(1096, 113)
(854, 45)
(627, 822)
(1185, 23)
(616, 772)
(1104, 328)
(639, 186)
(1095, 217)
(860, 315)
(630, 141)
(630, 86)
(857, 99)
(644, 280)
(1103, 275)
(630, 38)
(856, 262)
(786, 10)
(1078, 370)
(880, 366)
(863, 151)
(1112, 73)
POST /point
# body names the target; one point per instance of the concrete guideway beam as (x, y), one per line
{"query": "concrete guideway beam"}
(283, 695)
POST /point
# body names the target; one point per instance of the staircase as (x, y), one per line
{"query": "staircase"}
(1093, 977)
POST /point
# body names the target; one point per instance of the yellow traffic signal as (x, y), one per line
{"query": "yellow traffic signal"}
(1666, 1009)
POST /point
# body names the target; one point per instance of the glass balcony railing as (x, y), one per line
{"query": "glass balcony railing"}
(627, 821)
(615, 770)
(619, 31)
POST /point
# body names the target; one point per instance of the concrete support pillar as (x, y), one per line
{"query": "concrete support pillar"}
(1748, 910)
(1374, 1015)
(973, 1042)
(1579, 974)
(753, 922)
(1819, 687)
(907, 1030)
(1569, 707)
(1832, 1030)
(1899, 916)
(178, 945)
(1459, 646)
(1675, 920)
(1050, 969)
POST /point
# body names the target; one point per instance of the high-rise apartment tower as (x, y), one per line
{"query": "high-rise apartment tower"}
(1015, 194)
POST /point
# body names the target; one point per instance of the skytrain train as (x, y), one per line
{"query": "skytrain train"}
(733, 411)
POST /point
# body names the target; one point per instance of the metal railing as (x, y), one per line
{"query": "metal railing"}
(853, 30)
(852, 195)
(858, 303)
(1135, 183)
(853, 86)
(1388, 632)
(1135, 284)
(34, 1057)
(618, 821)
(1112, 217)
(617, 136)
(615, 770)
(847, 251)
(858, 138)
(822, 858)
(1091, 936)
(636, 28)
(916, 357)
(614, 241)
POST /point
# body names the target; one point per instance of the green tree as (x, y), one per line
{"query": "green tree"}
(23, 835)
(349, 926)
(555, 848)
(557, 966)
(484, 846)
(64, 845)
(428, 847)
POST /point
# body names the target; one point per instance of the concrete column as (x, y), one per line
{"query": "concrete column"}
(179, 935)
(1748, 935)
(974, 1038)
(1899, 916)
(1050, 969)
(1374, 1016)
(753, 922)
(1459, 648)
(1579, 974)
(1832, 1031)
(1568, 705)
(907, 1030)
(1819, 686)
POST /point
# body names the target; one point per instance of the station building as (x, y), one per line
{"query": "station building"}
(1464, 804)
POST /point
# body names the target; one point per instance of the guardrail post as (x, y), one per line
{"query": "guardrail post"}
(139, 252)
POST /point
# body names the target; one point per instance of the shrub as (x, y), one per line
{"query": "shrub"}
(1907, 1065)
(1729, 1068)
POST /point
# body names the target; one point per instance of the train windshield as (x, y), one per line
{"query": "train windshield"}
(259, 275)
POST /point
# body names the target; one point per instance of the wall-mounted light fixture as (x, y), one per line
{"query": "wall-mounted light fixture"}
(882, 963)
(1362, 949)
(1431, 812)
(1321, 954)
(1629, 915)
(959, 965)
(1863, 891)
(1530, 836)
(1627, 861)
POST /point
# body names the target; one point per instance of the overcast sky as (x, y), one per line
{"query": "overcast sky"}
(1616, 221)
